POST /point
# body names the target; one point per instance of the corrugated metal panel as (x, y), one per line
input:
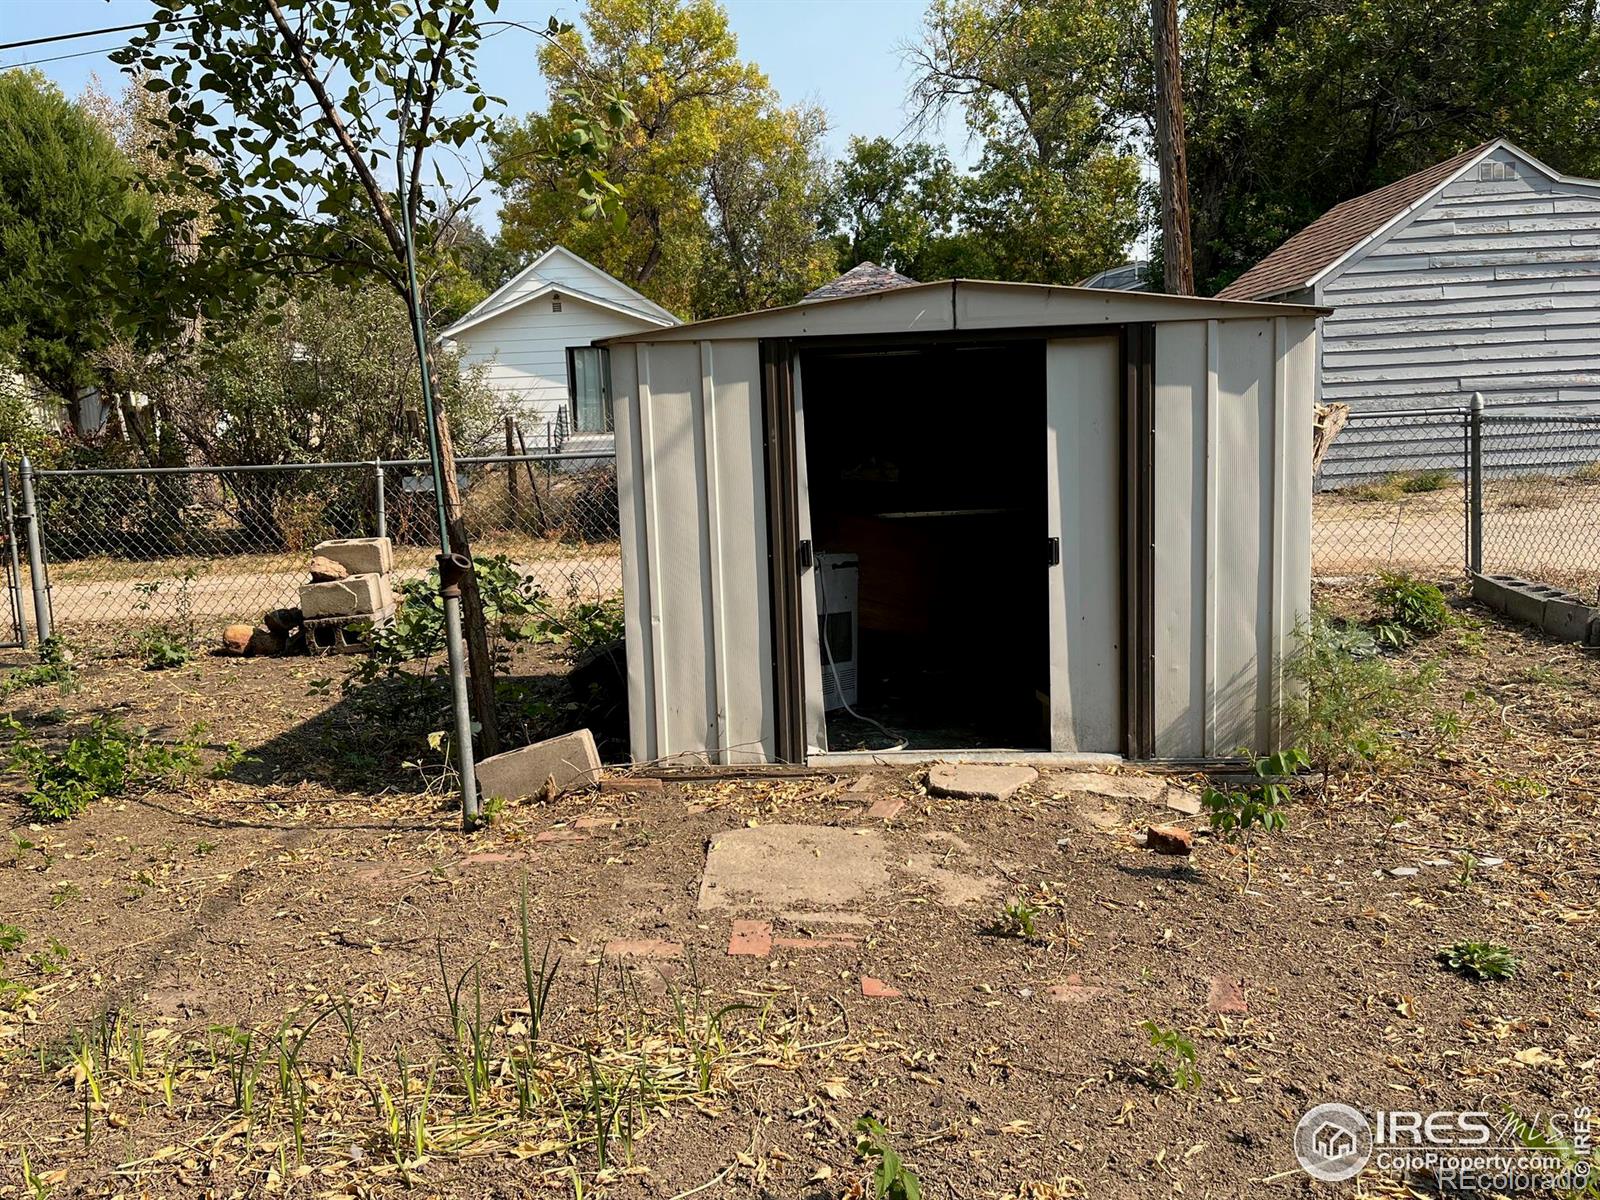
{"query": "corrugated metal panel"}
(1233, 527)
(695, 594)
(1491, 287)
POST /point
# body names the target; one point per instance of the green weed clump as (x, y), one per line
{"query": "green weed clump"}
(106, 760)
(1399, 484)
(1480, 960)
(1175, 1059)
(1412, 610)
(56, 666)
(891, 1179)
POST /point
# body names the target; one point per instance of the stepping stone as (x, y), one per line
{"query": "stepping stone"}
(771, 868)
(1181, 800)
(885, 810)
(978, 781)
(1120, 787)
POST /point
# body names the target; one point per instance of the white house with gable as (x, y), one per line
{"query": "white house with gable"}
(534, 337)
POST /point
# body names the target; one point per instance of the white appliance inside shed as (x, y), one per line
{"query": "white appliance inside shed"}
(838, 626)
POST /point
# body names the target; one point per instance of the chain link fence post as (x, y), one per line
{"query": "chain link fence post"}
(380, 502)
(1475, 485)
(19, 618)
(36, 569)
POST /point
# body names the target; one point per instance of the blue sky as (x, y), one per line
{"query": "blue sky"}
(842, 54)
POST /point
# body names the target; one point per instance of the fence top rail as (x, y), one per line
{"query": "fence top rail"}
(368, 464)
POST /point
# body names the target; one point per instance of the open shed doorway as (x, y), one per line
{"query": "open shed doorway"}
(925, 470)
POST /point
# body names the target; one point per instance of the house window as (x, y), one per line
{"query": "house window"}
(589, 388)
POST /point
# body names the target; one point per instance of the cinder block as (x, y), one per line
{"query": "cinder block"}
(1568, 620)
(343, 635)
(359, 556)
(355, 596)
(571, 759)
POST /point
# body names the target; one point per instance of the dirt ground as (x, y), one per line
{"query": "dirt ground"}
(319, 883)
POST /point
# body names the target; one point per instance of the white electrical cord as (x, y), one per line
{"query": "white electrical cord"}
(827, 653)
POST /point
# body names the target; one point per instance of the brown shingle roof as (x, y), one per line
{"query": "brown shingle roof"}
(858, 281)
(1332, 235)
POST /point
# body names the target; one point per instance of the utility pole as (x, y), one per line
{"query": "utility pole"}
(1177, 250)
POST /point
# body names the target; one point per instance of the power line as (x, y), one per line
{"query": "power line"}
(67, 37)
(38, 62)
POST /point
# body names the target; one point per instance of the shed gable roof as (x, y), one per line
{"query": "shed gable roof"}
(1344, 228)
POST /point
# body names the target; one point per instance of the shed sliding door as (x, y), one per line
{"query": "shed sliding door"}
(1084, 501)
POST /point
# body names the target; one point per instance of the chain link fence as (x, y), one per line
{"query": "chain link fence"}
(196, 548)
(1398, 495)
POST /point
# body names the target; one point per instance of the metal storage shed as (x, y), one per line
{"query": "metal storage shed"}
(1054, 521)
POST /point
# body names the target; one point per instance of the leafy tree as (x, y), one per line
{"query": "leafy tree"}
(334, 379)
(1299, 104)
(767, 185)
(65, 189)
(894, 205)
(1056, 194)
(294, 116)
(1292, 106)
(712, 169)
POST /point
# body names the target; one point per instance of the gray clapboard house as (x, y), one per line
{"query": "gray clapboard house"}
(1479, 274)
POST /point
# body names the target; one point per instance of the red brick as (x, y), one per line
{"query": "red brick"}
(561, 835)
(751, 939)
(1073, 991)
(630, 783)
(827, 941)
(1225, 994)
(643, 948)
(487, 856)
(877, 989)
(1168, 839)
(885, 810)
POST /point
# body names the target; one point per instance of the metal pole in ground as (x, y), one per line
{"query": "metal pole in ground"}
(452, 567)
(1475, 485)
(29, 516)
(14, 584)
(380, 502)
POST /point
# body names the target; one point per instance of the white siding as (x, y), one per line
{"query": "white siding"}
(524, 355)
(1491, 287)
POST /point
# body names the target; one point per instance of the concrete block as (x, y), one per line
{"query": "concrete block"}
(359, 556)
(355, 596)
(571, 759)
(1568, 619)
(343, 635)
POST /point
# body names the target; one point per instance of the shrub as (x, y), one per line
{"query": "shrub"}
(1237, 812)
(1412, 609)
(1346, 688)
